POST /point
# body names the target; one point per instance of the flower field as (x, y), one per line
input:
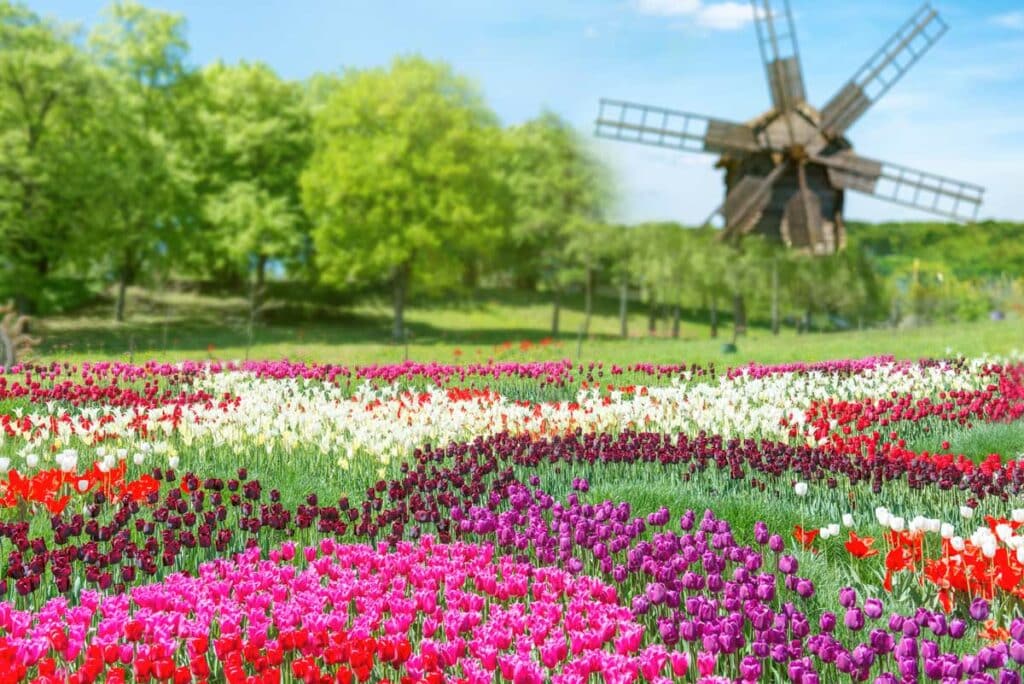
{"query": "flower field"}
(519, 522)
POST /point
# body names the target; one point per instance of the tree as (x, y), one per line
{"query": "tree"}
(589, 250)
(147, 177)
(255, 143)
(559, 189)
(401, 185)
(46, 192)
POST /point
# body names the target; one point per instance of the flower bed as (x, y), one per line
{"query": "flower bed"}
(277, 522)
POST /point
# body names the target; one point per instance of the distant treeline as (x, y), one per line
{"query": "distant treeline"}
(121, 163)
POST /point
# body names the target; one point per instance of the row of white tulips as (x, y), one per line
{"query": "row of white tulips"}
(297, 416)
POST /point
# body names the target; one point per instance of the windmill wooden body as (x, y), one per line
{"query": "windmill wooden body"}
(787, 170)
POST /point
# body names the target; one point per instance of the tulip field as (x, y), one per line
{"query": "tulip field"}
(512, 522)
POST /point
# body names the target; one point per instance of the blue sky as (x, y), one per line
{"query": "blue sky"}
(959, 112)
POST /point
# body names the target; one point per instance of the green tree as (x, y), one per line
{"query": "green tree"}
(559, 190)
(401, 185)
(256, 140)
(46, 188)
(147, 177)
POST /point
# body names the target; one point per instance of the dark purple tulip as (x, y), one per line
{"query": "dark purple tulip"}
(979, 609)
(776, 544)
(957, 627)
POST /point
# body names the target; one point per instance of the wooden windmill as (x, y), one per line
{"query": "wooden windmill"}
(787, 170)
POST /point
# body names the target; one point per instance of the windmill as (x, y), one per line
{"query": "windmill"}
(786, 171)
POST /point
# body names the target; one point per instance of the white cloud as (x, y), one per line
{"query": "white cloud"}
(591, 32)
(725, 16)
(721, 16)
(1012, 20)
(668, 7)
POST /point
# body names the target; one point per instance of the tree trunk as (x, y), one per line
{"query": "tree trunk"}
(775, 297)
(623, 313)
(652, 318)
(588, 300)
(714, 316)
(470, 275)
(556, 310)
(124, 279)
(675, 322)
(400, 285)
(807, 319)
(739, 317)
(256, 295)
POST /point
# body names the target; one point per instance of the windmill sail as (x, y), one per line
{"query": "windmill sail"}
(637, 123)
(930, 192)
(780, 55)
(883, 69)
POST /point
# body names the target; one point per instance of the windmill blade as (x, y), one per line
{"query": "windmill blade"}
(618, 120)
(883, 69)
(780, 55)
(810, 208)
(931, 192)
(746, 201)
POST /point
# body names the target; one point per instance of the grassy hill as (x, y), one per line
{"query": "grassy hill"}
(491, 324)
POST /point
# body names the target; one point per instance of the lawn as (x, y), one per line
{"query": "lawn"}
(499, 325)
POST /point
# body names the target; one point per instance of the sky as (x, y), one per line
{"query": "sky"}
(959, 112)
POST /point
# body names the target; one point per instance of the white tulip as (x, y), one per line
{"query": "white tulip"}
(988, 547)
(138, 458)
(5, 463)
(833, 529)
(966, 512)
(1018, 515)
(32, 460)
(896, 523)
(1004, 531)
(847, 520)
(800, 488)
(824, 533)
(957, 543)
(882, 515)
(946, 530)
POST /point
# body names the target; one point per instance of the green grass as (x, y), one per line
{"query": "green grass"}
(976, 442)
(176, 326)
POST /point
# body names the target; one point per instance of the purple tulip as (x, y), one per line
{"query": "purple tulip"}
(979, 609)
(873, 608)
(827, 622)
(854, 619)
(847, 597)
